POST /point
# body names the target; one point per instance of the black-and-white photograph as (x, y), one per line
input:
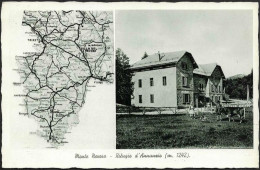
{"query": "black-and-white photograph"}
(184, 79)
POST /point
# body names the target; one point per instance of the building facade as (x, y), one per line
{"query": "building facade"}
(175, 80)
(208, 84)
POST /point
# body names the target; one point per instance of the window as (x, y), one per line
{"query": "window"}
(164, 81)
(151, 81)
(152, 98)
(212, 88)
(184, 66)
(139, 83)
(186, 98)
(216, 98)
(140, 99)
(184, 81)
(201, 86)
(219, 89)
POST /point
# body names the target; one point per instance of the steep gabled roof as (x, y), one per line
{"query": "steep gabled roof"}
(166, 58)
(206, 69)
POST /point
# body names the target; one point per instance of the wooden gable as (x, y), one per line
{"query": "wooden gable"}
(216, 75)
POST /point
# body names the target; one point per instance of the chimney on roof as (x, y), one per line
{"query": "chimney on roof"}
(160, 56)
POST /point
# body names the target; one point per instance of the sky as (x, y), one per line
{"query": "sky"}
(211, 36)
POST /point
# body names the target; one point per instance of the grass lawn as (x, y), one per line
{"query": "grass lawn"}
(180, 131)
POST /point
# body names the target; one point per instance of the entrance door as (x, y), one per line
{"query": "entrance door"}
(202, 101)
(216, 99)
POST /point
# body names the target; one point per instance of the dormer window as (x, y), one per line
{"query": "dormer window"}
(184, 66)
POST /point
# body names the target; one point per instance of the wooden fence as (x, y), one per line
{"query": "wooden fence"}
(209, 108)
(131, 109)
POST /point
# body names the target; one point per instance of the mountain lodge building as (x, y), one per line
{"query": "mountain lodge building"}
(174, 79)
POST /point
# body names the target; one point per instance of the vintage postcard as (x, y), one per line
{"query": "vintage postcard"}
(126, 85)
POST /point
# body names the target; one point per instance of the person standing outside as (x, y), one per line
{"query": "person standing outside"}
(218, 110)
(191, 110)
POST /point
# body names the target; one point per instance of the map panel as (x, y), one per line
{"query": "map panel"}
(72, 48)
